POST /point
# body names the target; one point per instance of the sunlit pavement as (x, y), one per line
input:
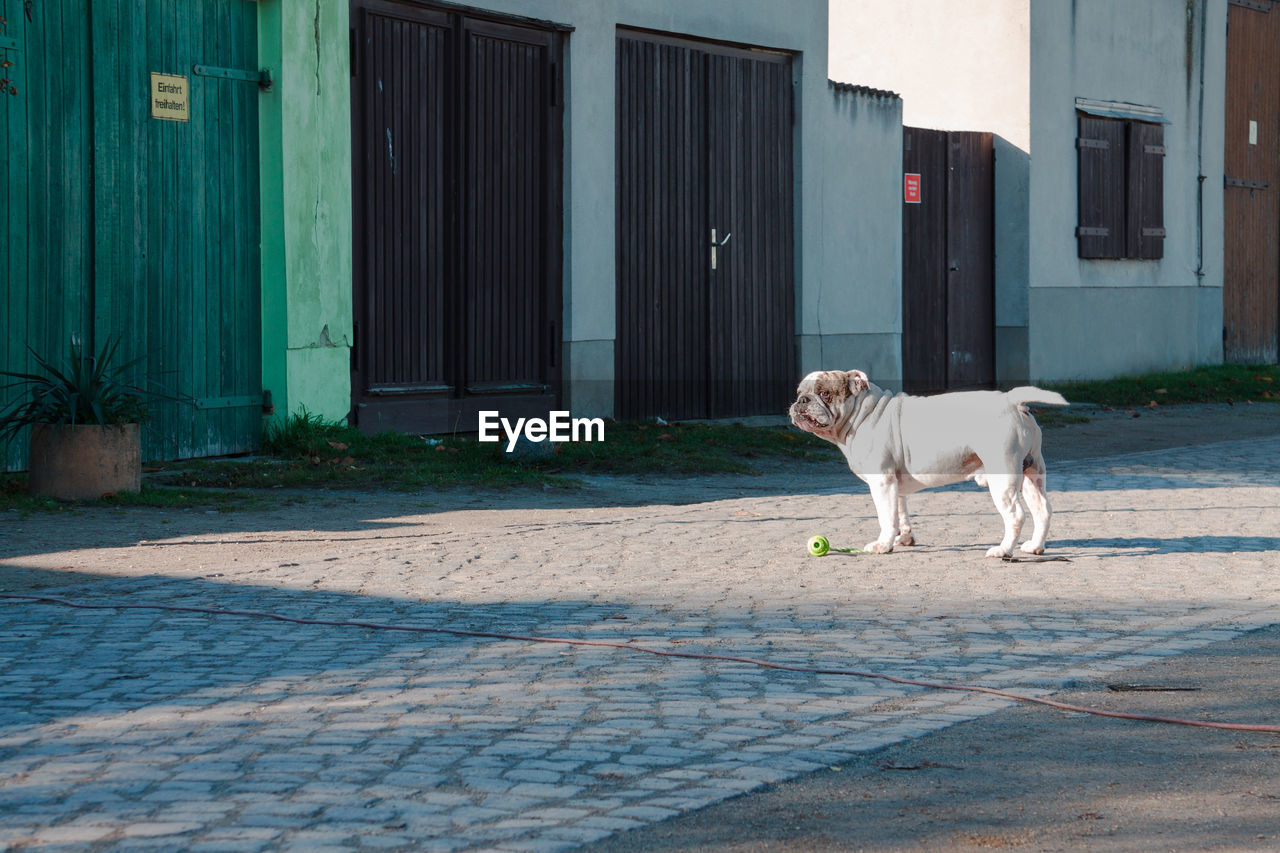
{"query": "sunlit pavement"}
(140, 729)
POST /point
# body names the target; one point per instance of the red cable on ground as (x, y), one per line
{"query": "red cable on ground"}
(630, 647)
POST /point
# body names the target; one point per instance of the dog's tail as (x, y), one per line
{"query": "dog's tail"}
(1025, 394)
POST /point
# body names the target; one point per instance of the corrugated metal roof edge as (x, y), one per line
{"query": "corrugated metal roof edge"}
(500, 16)
(1121, 109)
(855, 89)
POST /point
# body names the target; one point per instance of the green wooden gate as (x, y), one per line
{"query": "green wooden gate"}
(119, 223)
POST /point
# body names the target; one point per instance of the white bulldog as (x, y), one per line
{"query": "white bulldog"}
(901, 444)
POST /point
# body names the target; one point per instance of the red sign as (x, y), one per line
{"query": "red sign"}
(911, 187)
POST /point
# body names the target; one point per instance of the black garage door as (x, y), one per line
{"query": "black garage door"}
(705, 249)
(457, 125)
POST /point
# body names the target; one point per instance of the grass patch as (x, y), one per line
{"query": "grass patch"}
(392, 461)
(686, 449)
(1221, 383)
(310, 452)
(1058, 418)
(14, 497)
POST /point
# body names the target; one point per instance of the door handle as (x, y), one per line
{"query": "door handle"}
(716, 244)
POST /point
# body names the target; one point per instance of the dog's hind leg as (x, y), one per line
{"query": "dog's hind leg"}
(1004, 492)
(1033, 491)
(904, 523)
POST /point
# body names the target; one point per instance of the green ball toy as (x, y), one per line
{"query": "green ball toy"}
(819, 546)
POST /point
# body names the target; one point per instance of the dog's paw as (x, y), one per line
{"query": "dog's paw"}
(905, 539)
(997, 551)
(878, 547)
(1030, 548)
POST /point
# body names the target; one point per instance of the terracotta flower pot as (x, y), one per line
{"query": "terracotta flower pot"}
(84, 462)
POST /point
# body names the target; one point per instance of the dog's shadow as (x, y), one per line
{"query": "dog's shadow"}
(1150, 545)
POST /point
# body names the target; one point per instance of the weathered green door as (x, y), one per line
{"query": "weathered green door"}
(134, 220)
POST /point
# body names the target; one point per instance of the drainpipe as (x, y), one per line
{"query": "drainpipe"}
(1204, 15)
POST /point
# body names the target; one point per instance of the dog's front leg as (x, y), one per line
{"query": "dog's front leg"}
(884, 491)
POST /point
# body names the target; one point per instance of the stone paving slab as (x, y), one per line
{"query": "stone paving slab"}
(147, 729)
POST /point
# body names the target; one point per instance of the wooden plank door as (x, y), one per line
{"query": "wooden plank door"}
(404, 221)
(750, 208)
(948, 258)
(924, 262)
(970, 253)
(662, 359)
(46, 130)
(1251, 195)
(176, 217)
(125, 226)
(704, 154)
(511, 202)
(456, 126)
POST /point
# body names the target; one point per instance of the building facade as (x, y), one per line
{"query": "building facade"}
(1050, 80)
(404, 212)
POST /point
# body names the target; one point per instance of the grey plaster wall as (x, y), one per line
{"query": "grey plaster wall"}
(850, 306)
(848, 164)
(1015, 68)
(1012, 178)
(1097, 318)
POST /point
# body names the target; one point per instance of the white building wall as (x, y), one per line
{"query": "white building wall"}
(1098, 318)
(847, 173)
(1015, 68)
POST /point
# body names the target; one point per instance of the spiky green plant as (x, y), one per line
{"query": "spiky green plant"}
(87, 389)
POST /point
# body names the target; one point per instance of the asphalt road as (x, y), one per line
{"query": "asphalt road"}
(1039, 779)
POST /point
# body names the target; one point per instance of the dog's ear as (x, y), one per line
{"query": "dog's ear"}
(858, 382)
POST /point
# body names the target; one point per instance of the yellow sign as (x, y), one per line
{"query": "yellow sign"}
(170, 97)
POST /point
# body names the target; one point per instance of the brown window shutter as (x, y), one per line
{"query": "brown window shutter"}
(1100, 205)
(1146, 191)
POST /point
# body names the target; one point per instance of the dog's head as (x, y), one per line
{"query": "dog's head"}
(823, 398)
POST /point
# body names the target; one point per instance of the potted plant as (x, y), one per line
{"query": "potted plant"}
(85, 419)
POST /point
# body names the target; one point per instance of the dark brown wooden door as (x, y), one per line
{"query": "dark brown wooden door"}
(948, 262)
(704, 153)
(752, 282)
(457, 205)
(1251, 196)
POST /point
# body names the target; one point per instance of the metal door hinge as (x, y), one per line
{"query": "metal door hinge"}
(261, 77)
(1243, 184)
(244, 402)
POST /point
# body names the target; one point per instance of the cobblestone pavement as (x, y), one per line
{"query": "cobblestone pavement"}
(147, 729)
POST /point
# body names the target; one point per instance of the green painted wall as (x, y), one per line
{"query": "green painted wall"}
(305, 125)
